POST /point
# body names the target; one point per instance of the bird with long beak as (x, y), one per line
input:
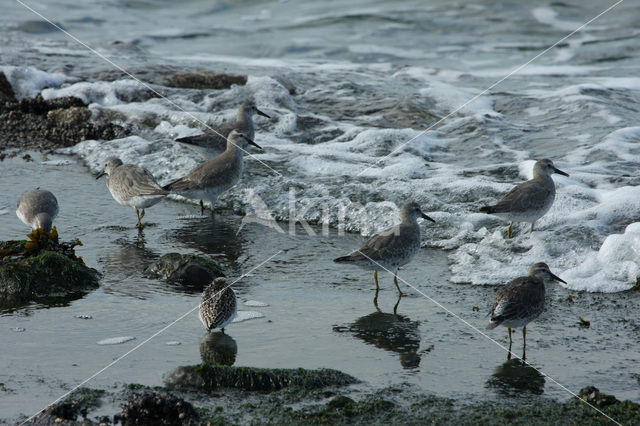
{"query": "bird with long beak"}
(530, 200)
(212, 178)
(392, 248)
(521, 301)
(132, 186)
(214, 141)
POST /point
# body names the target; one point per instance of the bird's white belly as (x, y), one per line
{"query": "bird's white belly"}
(529, 215)
(137, 201)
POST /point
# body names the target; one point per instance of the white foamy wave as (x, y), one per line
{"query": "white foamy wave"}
(101, 92)
(563, 238)
(614, 267)
(462, 99)
(356, 177)
(622, 144)
(27, 82)
(548, 16)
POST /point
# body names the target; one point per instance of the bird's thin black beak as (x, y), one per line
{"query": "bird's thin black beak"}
(557, 278)
(261, 113)
(102, 173)
(560, 172)
(424, 216)
(251, 142)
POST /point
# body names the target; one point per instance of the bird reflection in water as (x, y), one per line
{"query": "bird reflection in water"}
(515, 377)
(389, 331)
(214, 237)
(126, 257)
(218, 349)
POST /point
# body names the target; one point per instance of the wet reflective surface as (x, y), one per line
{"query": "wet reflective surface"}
(218, 348)
(318, 314)
(389, 331)
(515, 378)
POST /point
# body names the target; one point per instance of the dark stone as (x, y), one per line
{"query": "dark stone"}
(186, 269)
(207, 378)
(340, 401)
(6, 91)
(71, 411)
(204, 80)
(593, 396)
(156, 408)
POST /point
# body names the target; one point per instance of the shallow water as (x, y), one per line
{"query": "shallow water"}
(319, 314)
(347, 85)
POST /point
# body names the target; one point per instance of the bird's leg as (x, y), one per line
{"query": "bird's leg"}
(395, 307)
(509, 355)
(509, 230)
(530, 231)
(395, 281)
(375, 277)
(524, 344)
(375, 299)
(201, 208)
(139, 224)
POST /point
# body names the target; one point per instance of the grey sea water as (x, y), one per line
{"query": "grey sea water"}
(347, 85)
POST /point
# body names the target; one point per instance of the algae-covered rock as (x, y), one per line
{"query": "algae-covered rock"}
(593, 396)
(73, 410)
(188, 269)
(40, 269)
(206, 378)
(156, 408)
(73, 115)
(204, 80)
(48, 124)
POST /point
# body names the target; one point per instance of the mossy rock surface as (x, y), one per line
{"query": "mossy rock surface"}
(156, 408)
(49, 274)
(205, 378)
(189, 269)
(73, 410)
(42, 269)
(204, 80)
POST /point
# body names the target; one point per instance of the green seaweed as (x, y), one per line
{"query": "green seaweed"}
(86, 397)
(207, 378)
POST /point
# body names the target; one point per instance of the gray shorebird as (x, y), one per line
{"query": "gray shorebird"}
(214, 141)
(218, 306)
(530, 200)
(212, 178)
(392, 248)
(132, 186)
(37, 208)
(521, 301)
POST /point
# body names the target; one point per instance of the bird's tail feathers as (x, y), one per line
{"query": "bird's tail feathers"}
(487, 209)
